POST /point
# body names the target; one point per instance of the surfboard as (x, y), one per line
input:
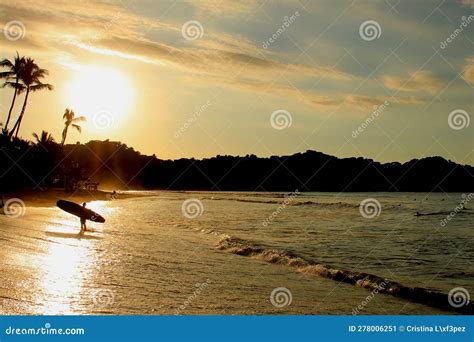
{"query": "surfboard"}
(80, 211)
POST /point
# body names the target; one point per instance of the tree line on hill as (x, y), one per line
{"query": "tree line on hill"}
(43, 164)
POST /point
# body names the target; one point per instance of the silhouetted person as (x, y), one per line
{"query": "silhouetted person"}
(83, 220)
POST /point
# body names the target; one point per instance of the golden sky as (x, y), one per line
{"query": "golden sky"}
(387, 81)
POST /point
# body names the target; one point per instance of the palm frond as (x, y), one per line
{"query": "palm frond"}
(79, 129)
(14, 85)
(6, 63)
(67, 114)
(40, 73)
(44, 138)
(79, 119)
(40, 86)
(6, 74)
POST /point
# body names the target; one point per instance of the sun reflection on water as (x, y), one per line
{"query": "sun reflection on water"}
(63, 271)
(65, 262)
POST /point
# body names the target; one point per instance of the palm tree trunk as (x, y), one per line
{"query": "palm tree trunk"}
(12, 105)
(18, 121)
(64, 135)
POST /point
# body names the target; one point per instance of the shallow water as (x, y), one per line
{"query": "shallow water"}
(150, 258)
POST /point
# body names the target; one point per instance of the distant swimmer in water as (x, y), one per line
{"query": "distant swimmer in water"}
(83, 221)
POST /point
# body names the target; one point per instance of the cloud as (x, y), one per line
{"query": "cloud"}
(63, 27)
(51, 23)
(422, 81)
(281, 90)
(309, 97)
(117, 32)
(370, 101)
(363, 101)
(208, 61)
(268, 88)
(468, 72)
(226, 7)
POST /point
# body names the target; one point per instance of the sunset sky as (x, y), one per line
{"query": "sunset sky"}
(140, 77)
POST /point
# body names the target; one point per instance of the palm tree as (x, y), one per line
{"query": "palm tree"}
(44, 139)
(30, 76)
(71, 120)
(12, 77)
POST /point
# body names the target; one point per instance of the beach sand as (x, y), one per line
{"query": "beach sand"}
(48, 198)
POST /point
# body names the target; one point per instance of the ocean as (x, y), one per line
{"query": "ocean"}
(228, 253)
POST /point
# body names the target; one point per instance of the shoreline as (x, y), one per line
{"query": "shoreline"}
(48, 198)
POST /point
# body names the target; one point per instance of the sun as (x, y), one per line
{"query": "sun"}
(103, 95)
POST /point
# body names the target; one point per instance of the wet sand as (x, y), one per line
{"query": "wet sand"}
(48, 198)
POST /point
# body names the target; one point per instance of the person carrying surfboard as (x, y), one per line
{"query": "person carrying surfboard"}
(83, 220)
(80, 211)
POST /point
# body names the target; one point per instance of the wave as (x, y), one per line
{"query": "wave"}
(325, 204)
(368, 281)
(290, 203)
(444, 213)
